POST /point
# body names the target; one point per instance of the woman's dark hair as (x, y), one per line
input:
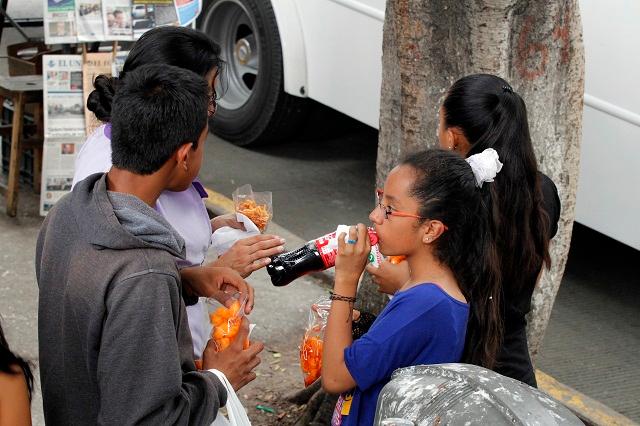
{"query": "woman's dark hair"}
(446, 190)
(178, 46)
(8, 362)
(491, 115)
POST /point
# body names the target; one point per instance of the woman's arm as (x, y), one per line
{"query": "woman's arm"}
(15, 407)
(350, 264)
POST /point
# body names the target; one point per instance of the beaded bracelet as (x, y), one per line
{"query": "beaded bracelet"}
(349, 300)
(334, 296)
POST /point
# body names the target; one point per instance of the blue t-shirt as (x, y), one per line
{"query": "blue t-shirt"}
(421, 325)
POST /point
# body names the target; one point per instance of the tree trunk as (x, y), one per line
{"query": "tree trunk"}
(536, 46)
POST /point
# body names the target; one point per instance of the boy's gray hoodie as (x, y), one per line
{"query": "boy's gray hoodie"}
(114, 341)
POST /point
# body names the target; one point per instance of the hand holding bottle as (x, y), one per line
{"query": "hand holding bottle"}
(353, 253)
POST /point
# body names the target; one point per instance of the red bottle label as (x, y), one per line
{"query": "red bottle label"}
(327, 246)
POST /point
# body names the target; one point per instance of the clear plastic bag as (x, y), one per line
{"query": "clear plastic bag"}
(225, 321)
(312, 342)
(257, 206)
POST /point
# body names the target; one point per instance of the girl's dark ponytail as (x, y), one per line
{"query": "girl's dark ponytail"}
(100, 99)
(446, 190)
(485, 325)
(492, 115)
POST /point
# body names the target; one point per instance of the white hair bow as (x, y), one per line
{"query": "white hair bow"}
(485, 166)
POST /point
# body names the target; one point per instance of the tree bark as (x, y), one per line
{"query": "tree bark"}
(536, 46)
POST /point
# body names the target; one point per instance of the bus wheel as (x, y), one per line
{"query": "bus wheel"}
(253, 108)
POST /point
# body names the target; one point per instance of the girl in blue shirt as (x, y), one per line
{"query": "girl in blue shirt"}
(432, 211)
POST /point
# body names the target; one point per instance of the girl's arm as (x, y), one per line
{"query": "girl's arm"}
(350, 264)
(15, 407)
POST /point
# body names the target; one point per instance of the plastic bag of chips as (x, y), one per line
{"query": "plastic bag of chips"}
(225, 322)
(257, 206)
(311, 348)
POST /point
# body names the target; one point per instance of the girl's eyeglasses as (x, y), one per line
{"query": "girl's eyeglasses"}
(390, 211)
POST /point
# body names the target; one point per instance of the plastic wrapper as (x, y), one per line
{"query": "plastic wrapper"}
(257, 206)
(225, 322)
(311, 348)
(224, 238)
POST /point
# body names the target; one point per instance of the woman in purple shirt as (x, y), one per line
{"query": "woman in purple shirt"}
(185, 211)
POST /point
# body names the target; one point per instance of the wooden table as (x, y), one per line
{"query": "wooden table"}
(22, 90)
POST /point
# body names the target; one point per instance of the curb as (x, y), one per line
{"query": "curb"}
(589, 410)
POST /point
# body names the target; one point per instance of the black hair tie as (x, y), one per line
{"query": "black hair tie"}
(507, 89)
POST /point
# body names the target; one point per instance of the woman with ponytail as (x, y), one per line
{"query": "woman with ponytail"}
(482, 111)
(185, 211)
(432, 211)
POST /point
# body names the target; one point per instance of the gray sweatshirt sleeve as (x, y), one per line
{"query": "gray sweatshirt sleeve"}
(141, 376)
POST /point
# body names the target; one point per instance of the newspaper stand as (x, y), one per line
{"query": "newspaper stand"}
(21, 90)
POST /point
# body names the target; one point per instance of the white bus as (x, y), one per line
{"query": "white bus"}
(280, 52)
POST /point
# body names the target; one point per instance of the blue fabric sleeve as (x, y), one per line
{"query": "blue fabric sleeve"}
(389, 344)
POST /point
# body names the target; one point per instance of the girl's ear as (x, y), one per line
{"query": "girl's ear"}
(449, 135)
(459, 141)
(432, 231)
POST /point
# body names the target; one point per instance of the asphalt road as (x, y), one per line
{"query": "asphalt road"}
(323, 178)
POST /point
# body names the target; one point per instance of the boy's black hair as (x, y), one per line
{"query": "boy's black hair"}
(156, 109)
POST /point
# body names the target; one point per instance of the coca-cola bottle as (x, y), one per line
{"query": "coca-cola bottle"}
(316, 255)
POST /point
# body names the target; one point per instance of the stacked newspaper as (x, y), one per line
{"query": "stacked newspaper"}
(78, 21)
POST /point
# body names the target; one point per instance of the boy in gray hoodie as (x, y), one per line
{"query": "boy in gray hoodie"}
(115, 346)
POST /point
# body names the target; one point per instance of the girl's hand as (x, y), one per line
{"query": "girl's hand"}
(389, 277)
(229, 220)
(352, 254)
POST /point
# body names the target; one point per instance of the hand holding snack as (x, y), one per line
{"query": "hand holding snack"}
(235, 362)
(388, 276)
(229, 220)
(215, 282)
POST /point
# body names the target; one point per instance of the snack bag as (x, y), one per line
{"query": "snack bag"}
(257, 206)
(226, 323)
(311, 349)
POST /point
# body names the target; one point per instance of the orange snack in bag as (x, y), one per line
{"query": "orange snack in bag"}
(311, 358)
(226, 324)
(396, 259)
(258, 213)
